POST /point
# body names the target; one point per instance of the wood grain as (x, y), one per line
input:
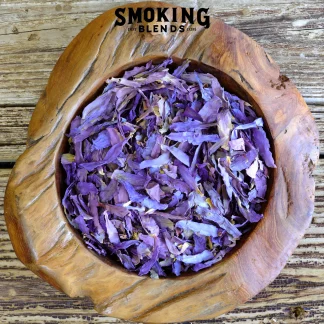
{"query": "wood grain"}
(14, 124)
(32, 37)
(291, 32)
(39, 231)
(27, 299)
(33, 34)
(13, 129)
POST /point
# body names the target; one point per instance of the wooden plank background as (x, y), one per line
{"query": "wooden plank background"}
(33, 34)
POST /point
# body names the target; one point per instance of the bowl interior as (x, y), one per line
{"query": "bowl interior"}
(227, 82)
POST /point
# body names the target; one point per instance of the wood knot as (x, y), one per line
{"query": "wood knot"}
(283, 78)
(33, 37)
(297, 312)
(281, 84)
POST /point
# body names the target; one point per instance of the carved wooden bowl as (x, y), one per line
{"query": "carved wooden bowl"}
(46, 243)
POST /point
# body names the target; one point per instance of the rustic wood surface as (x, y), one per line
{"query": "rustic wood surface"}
(41, 235)
(33, 35)
(24, 298)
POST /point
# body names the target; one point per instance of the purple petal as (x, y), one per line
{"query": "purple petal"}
(119, 211)
(141, 199)
(126, 261)
(193, 138)
(176, 267)
(262, 143)
(191, 113)
(111, 231)
(154, 192)
(210, 110)
(156, 163)
(200, 244)
(198, 228)
(101, 142)
(134, 179)
(257, 123)
(84, 188)
(181, 69)
(237, 144)
(252, 170)
(243, 161)
(197, 258)
(111, 156)
(146, 267)
(178, 154)
(82, 224)
(108, 192)
(187, 177)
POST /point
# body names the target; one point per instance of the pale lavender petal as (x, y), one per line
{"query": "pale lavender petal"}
(154, 192)
(178, 154)
(111, 231)
(197, 258)
(198, 228)
(156, 163)
(146, 267)
(262, 143)
(257, 123)
(237, 144)
(210, 110)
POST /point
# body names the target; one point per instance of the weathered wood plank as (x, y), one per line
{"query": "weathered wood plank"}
(27, 299)
(34, 34)
(14, 124)
(291, 32)
(13, 129)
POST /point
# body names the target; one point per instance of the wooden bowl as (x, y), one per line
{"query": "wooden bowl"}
(45, 242)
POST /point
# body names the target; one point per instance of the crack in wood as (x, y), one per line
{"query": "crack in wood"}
(287, 190)
(32, 142)
(56, 124)
(121, 294)
(31, 31)
(40, 167)
(243, 80)
(46, 256)
(267, 57)
(201, 55)
(138, 44)
(177, 297)
(120, 44)
(34, 200)
(14, 105)
(145, 48)
(7, 164)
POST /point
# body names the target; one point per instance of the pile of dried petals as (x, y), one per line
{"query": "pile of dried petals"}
(166, 170)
